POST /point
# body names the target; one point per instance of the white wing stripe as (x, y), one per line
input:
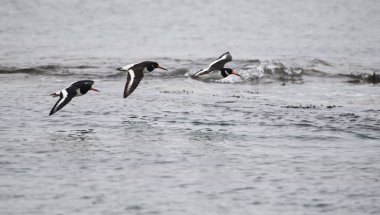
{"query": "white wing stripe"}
(64, 96)
(217, 60)
(132, 74)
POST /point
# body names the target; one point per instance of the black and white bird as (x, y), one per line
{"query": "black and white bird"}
(136, 74)
(75, 89)
(216, 70)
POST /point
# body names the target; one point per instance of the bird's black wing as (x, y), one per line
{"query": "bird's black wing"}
(220, 62)
(217, 64)
(64, 98)
(135, 75)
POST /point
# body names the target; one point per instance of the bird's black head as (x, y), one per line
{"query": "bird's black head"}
(227, 71)
(151, 65)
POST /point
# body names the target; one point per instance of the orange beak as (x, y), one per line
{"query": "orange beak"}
(161, 68)
(235, 73)
(94, 89)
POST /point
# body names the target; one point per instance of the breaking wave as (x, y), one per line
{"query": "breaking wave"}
(252, 71)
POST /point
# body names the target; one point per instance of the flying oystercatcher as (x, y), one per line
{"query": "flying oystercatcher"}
(136, 74)
(216, 70)
(75, 89)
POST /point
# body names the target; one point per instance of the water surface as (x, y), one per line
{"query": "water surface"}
(298, 134)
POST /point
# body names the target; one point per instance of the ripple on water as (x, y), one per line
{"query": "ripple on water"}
(79, 135)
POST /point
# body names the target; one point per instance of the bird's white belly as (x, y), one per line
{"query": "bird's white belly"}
(78, 93)
(214, 75)
(145, 71)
